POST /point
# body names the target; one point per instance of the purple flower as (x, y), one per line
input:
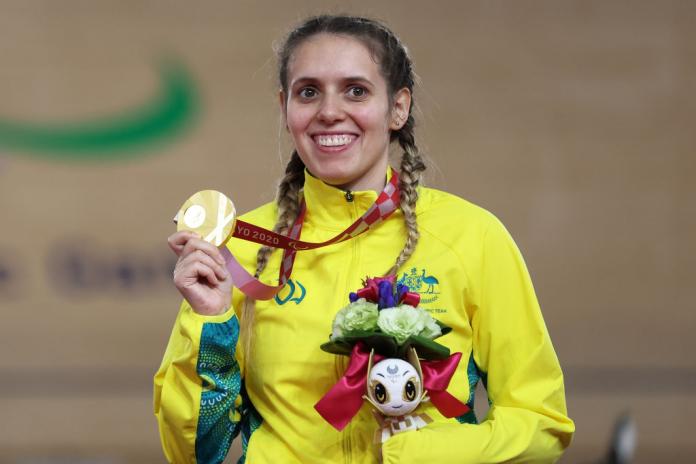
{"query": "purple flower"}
(386, 295)
(401, 291)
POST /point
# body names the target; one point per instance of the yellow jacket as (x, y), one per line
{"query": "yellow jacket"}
(471, 277)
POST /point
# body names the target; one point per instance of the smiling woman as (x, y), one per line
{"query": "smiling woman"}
(340, 113)
(238, 365)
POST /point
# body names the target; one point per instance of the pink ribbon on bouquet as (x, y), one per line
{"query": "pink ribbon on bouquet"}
(344, 400)
(436, 378)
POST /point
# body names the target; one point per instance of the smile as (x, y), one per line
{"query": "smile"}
(333, 140)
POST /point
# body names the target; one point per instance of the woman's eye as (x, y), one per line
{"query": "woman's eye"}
(307, 92)
(357, 92)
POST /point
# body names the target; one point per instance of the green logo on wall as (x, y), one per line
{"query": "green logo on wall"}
(111, 137)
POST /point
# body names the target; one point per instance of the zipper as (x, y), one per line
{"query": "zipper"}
(347, 432)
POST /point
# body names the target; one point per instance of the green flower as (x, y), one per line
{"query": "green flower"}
(402, 322)
(359, 315)
(432, 329)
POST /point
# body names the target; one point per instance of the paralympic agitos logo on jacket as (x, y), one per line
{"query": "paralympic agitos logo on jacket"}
(292, 291)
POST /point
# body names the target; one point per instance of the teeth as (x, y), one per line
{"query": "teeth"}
(334, 140)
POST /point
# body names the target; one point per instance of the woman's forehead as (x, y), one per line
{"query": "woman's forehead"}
(332, 56)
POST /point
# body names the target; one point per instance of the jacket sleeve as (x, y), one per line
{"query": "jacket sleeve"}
(197, 388)
(527, 421)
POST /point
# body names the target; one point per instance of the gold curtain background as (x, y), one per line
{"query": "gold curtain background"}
(570, 120)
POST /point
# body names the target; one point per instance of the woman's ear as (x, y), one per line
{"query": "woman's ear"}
(400, 109)
(283, 108)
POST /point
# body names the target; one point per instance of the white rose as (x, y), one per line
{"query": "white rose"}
(401, 322)
(432, 329)
(359, 315)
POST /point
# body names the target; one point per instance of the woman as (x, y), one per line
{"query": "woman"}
(346, 95)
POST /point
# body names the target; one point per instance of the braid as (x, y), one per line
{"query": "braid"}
(288, 200)
(412, 166)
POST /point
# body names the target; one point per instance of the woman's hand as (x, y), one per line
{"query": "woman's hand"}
(200, 274)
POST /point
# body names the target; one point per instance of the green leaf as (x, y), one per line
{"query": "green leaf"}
(358, 334)
(337, 347)
(386, 345)
(426, 348)
(444, 328)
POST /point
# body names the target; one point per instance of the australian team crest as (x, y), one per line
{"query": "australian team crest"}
(421, 282)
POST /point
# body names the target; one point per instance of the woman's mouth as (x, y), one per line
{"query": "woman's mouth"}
(333, 142)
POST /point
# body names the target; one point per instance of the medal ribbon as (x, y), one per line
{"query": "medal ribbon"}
(385, 205)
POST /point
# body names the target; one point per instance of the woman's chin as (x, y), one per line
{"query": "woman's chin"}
(335, 177)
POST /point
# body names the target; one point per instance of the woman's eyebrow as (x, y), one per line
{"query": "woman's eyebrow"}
(358, 79)
(310, 79)
(303, 80)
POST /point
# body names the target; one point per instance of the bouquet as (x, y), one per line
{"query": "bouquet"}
(386, 317)
(395, 364)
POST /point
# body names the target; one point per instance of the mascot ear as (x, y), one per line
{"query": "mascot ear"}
(369, 369)
(415, 362)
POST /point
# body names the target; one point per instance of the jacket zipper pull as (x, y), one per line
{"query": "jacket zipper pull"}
(349, 196)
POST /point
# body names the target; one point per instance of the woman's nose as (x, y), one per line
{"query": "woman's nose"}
(331, 109)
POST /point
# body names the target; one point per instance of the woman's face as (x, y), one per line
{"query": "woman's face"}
(337, 110)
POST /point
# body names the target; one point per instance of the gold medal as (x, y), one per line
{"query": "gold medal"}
(208, 213)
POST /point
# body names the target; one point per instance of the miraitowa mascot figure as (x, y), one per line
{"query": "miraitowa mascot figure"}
(395, 389)
(395, 364)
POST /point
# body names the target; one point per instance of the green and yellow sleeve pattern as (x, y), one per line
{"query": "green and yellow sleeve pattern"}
(197, 388)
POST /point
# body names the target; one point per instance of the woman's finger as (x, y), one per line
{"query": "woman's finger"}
(211, 250)
(178, 240)
(201, 256)
(191, 275)
(205, 271)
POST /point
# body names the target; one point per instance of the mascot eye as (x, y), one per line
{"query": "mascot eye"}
(380, 393)
(409, 391)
